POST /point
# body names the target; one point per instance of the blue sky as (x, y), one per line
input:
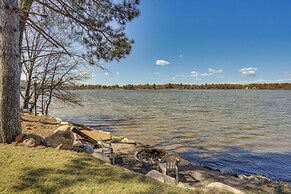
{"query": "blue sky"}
(205, 41)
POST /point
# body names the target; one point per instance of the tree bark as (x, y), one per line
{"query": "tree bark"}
(25, 6)
(9, 71)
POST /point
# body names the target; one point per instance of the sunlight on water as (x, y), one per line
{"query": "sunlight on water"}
(241, 131)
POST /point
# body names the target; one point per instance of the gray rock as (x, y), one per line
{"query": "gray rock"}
(60, 140)
(32, 140)
(256, 179)
(160, 177)
(221, 186)
(125, 140)
(89, 148)
(102, 157)
(242, 177)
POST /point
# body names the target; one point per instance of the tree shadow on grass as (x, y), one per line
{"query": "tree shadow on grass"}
(85, 174)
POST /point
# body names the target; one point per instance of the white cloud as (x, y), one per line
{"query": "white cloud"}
(117, 73)
(213, 71)
(106, 73)
(86, 75)
(194, 74)
(210, 72)
(162, 62)
(248, 71)
(205, 74)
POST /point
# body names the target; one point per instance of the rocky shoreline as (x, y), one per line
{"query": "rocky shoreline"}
(53, 132)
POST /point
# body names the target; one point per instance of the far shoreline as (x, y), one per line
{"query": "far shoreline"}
(184, 87)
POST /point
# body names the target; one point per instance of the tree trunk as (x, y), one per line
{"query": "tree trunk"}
(24, 5)
(27, 95)
(9, 71)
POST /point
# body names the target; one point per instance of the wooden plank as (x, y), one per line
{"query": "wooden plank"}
(92, 136)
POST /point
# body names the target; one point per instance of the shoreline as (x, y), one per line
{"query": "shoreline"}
(192, 175)
(180, 86)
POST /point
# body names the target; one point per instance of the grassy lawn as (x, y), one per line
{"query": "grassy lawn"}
(47, 170)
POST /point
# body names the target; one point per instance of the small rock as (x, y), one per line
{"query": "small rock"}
(19, 138)
(116, 139)
(160, 177)
(32, 140)
(58, 120)
(64, 123)
(221, 186)
(242, 177)
(258, 179)
(89, 148)
(125, 140)
(102, 157)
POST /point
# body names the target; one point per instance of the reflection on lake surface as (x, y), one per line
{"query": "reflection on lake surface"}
(233, 131)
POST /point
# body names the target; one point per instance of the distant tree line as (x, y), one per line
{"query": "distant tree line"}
(171, 86)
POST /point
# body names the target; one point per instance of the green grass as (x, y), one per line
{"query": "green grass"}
(47, 170)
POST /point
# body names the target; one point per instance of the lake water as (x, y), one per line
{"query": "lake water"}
(234, 131)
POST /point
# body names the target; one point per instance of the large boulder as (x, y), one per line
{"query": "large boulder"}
(32, 140)
(160, 177)
(222, 187)
(19, 138)
(62, 138)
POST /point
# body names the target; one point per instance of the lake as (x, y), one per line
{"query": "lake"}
(234, 131)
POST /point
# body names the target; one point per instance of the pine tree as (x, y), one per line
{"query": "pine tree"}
(98, 26)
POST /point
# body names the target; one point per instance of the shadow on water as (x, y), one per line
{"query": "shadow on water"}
(235, 160)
